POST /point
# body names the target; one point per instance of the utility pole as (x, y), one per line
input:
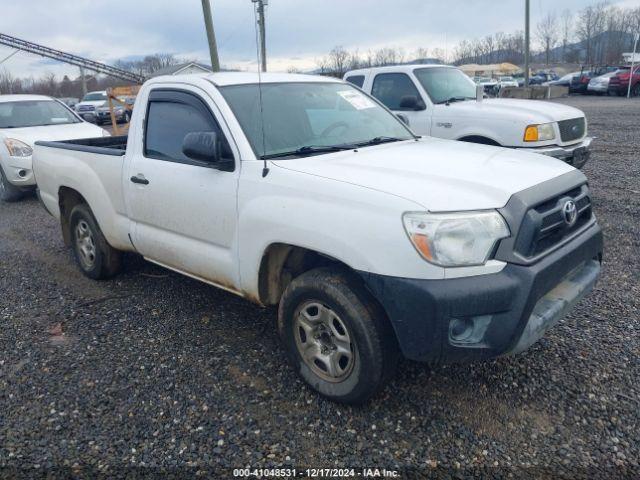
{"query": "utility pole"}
(633, 63)
(211, 36)
(260, 4)
(527, 41)
(83, 82)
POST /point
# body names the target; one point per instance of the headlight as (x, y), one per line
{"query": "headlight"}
(455, 239)
(540, 133)
(17, 148)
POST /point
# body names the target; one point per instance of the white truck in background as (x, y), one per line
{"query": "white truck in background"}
(443, 102)
(305, 193)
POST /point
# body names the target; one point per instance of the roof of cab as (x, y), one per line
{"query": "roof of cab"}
(222, 79)
(395, 68)
(22, 98)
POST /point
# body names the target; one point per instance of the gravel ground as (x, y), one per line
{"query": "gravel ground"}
(155, 370)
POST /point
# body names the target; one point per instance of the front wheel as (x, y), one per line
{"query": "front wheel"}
(337, 337)
(95, 257)
(8, 191)
(635, 91)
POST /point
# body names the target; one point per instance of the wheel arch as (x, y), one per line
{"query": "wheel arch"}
(480, 139)
(282, 262)
(68, 198)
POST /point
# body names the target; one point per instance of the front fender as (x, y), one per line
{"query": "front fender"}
(357, 226)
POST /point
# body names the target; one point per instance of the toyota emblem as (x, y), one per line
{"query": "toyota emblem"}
(570, 213)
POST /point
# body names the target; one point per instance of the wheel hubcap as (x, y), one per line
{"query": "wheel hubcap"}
(85, 244)
(323, 341)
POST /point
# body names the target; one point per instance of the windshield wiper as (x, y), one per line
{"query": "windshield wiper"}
(454, 99)
(380, 140)
(310, 150)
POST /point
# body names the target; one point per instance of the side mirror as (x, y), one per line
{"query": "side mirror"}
(206, 147)
(411, 102)
(403, 119)
(479, 93)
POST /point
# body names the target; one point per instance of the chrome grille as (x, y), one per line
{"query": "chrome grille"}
(573, 129)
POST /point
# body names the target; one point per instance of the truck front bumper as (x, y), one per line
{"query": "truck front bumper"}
(482, 317)
(576, 155)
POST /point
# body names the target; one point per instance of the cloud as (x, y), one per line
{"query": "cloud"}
(298, 31)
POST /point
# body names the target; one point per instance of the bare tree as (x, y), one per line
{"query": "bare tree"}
(547, 32)
(338, 61)
(566, 21)
(590, 25)
(421, 53)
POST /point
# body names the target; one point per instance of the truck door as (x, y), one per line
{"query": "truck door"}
(183, 211)
(400, 95)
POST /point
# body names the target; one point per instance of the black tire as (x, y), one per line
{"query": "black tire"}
(103, 261)
(8, 191)
(127, 117)
(635, 90)
(373, 343)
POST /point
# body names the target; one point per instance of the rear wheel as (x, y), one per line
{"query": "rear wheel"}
(635, 91)
(95, 257)
(8, 191)
(337, 337)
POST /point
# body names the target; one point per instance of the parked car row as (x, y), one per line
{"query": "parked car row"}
(306, 193)
(608, 80)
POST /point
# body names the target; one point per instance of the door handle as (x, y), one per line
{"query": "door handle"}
(140, 179)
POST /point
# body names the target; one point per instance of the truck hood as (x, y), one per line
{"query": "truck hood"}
(438, 175)
(70, 131)
(526, 111)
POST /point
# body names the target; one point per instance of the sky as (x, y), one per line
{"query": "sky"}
(299, 32)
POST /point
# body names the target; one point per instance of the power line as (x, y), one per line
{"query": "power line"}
(69, 58)
(8, 56)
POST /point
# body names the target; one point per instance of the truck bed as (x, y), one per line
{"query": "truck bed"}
(115, 146)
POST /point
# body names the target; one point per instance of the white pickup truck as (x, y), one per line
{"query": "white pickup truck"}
(443, 102)
(305, 193)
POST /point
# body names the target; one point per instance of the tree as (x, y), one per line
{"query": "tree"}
(547, 32)
(567, 29)
(338, 61)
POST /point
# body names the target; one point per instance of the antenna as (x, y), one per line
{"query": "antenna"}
(265, 168)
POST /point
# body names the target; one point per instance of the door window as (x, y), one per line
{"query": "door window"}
(357, 80)
(392, 88)
(171, 116)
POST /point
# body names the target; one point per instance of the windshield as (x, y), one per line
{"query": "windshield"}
(305, 114)
(506, 79)
(444, 84)
(34, 113)
(93, 97)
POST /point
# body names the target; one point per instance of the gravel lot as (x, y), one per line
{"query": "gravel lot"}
(155, 370)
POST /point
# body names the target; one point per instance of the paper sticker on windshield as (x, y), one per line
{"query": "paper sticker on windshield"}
(356, 99)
